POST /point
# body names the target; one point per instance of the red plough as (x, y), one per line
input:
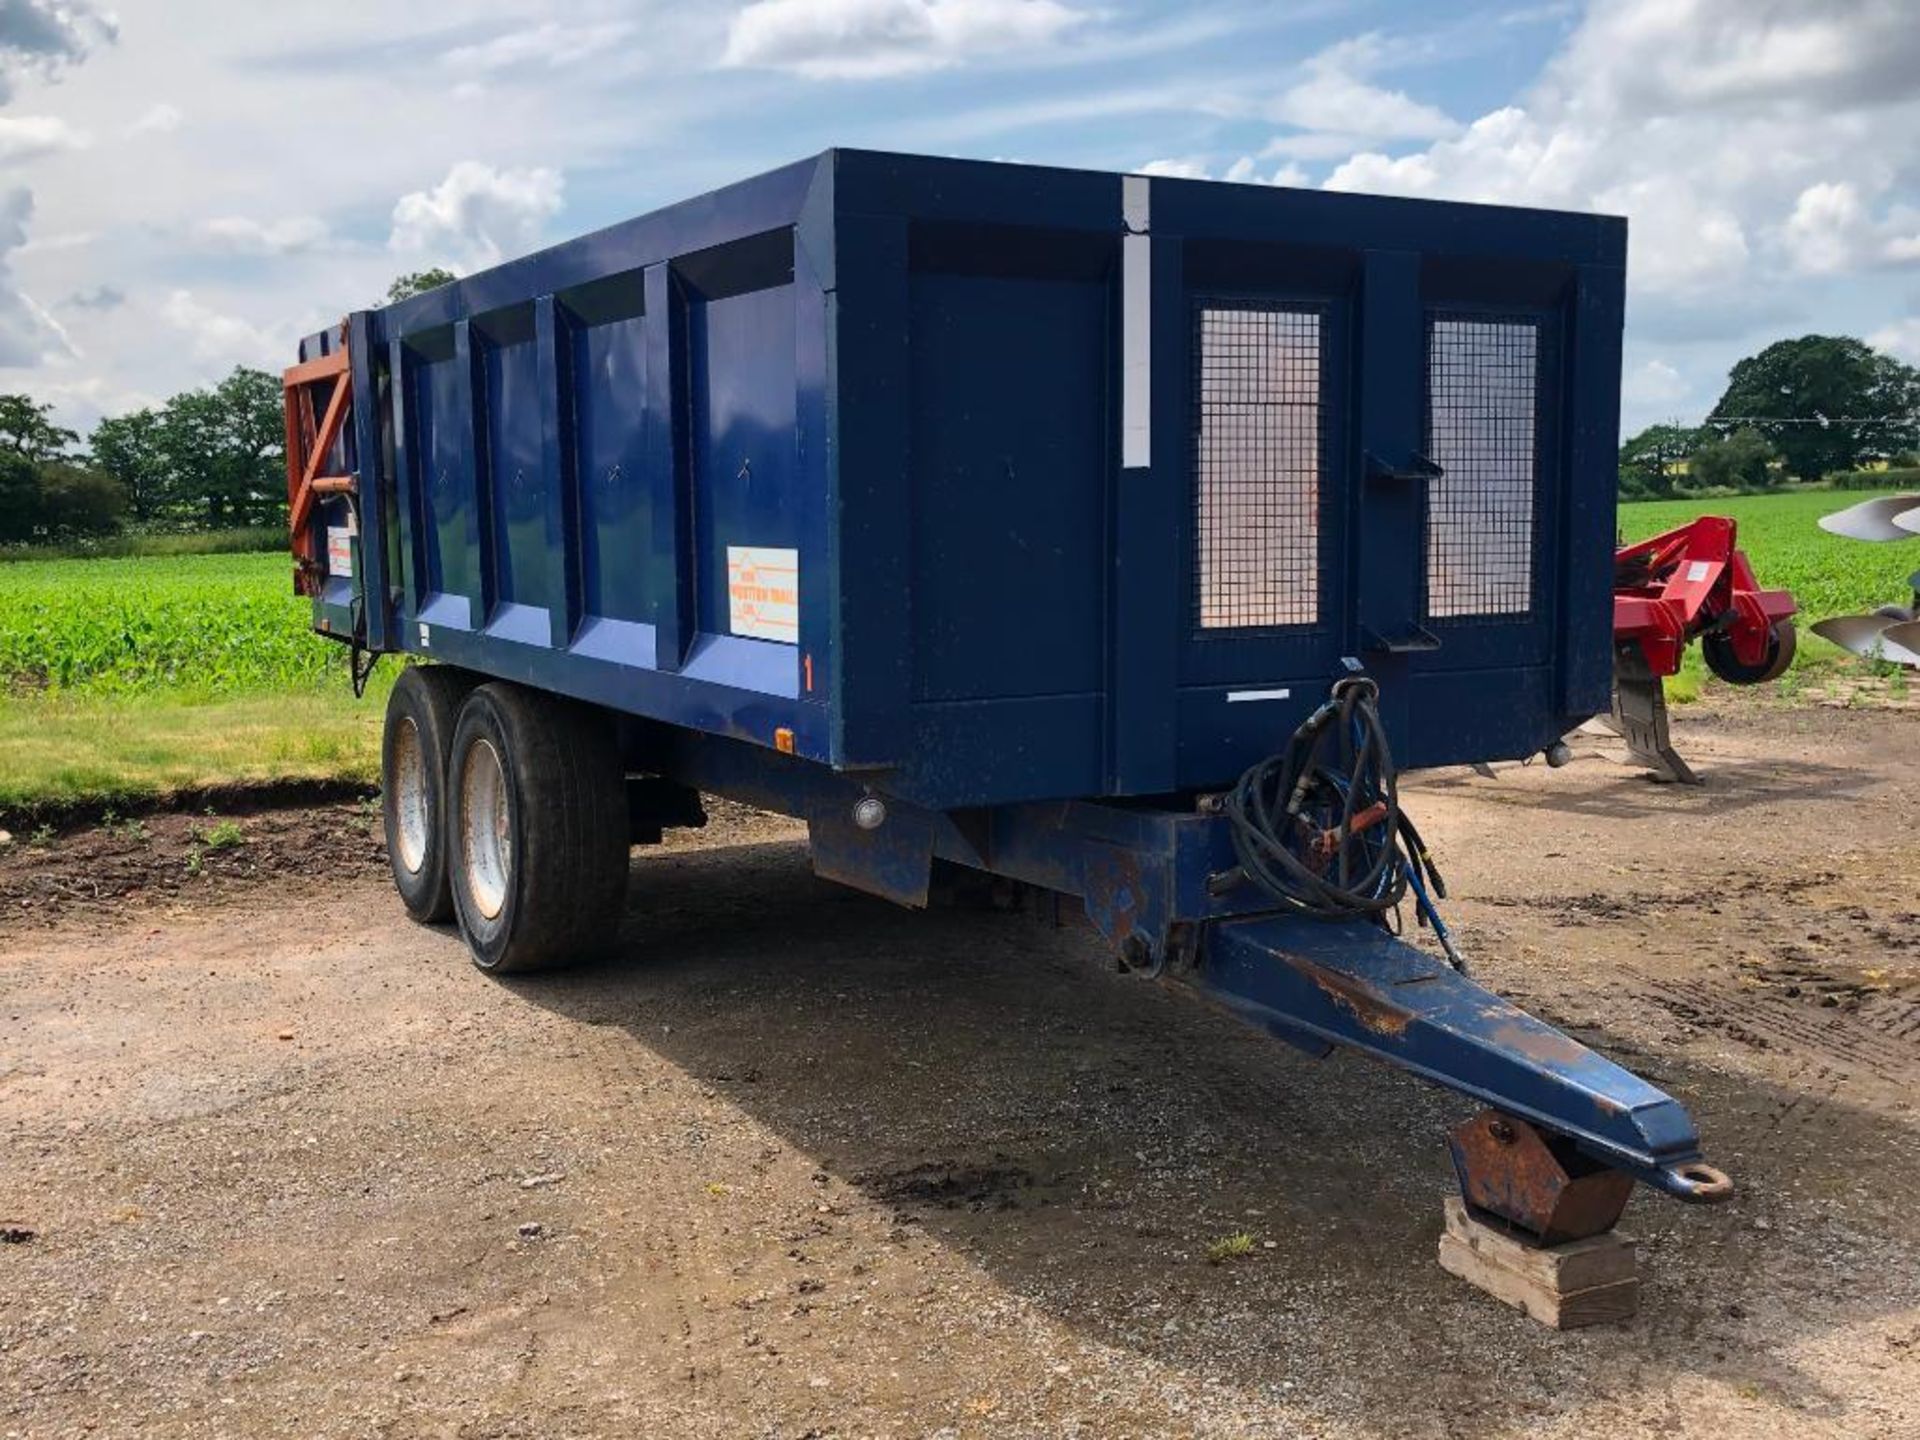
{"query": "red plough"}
(1693, 583)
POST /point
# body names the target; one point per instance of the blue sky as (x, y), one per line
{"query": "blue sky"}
(190, 184)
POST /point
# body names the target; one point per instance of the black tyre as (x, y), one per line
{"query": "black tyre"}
(1717, 651)
(418, 736)
(537, 815)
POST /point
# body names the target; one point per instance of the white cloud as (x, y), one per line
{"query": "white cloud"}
(240, 235)
(1824, 232)
(81, 402)
(160, 119)
(1901, 338)
(1336, 97)
(1317, 144)
(1833, 230)
(478, 215)
(1244, 171)
(27, 137)
(1652, 384)
(869, 39)
(224, 340)
(1740, 141)
(550, 44)
(1190, 168)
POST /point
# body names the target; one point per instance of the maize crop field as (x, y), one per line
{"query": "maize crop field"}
(205, 625)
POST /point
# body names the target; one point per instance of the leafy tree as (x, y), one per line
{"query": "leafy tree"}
(419, 282)
(27, 428)
(1738, 461)
(224, 450)
(128, 448)
(19, 497)
(1651, 461)
(79, 499)
(1825, 402)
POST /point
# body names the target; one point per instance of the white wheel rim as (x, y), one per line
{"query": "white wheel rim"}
(410, 796)
(486, 836)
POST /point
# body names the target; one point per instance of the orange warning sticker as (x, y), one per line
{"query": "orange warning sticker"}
(763, 593)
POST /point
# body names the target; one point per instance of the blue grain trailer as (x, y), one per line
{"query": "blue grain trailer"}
(1110, 535)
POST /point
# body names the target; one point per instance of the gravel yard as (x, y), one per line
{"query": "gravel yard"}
(797, 1163)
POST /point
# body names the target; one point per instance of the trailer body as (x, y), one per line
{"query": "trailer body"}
(1002, 516)
(999, 483)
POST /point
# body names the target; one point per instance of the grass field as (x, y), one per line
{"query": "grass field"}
(125, 679)
(87, 751)
(128, 678)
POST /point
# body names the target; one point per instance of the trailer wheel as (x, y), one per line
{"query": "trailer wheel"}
(537, 826)
(421, 713)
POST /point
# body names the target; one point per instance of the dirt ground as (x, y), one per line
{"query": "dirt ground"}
(275, 1162)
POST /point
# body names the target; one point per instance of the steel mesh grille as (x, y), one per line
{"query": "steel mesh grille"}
(1258, 447)
(1482, 416)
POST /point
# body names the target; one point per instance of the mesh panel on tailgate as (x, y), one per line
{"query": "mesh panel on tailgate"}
(1258, 446)
(1482, 409)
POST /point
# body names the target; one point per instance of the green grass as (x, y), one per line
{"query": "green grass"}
(1828, 574)
(222, 835)
(1230, 1247)
(82, 752)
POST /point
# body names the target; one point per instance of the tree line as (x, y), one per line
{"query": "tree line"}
(1803, 410)
(210, 459)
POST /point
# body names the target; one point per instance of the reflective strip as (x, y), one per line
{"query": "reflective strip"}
(1135, 198)
(1236, 697)
(1136, 326)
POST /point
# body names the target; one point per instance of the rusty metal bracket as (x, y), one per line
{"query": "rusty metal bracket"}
(314, 427)
(1541, 1184)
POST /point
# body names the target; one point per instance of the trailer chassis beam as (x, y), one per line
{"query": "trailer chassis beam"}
(1146, 874)
(1322, 985)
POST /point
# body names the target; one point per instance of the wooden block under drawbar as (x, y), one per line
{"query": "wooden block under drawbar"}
(1577, 1265)
(1585, 1282)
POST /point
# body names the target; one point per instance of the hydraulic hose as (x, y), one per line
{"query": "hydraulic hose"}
(1319, 827)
